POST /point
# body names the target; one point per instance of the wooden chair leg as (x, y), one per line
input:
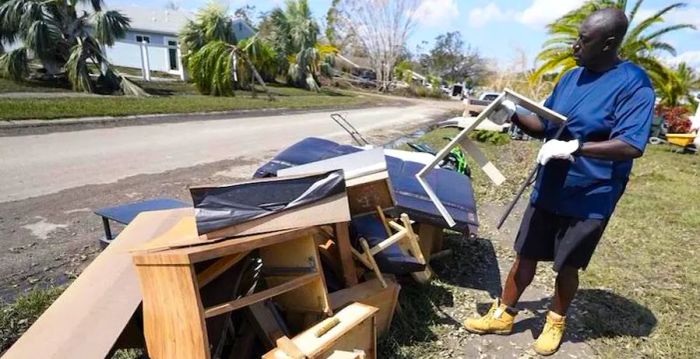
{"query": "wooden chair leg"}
(384, 221)
(370, 259)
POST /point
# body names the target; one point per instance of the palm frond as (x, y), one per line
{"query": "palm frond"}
(656, 18)
(42, 38)
(666, 30)
(14, 64)
(110, 26)
(635, 9)
(77, 69)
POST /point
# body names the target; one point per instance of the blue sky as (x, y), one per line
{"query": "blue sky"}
(498, 28)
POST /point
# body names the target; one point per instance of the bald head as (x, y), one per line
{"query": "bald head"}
(600, 36)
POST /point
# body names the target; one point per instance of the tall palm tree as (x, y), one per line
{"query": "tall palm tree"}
(641, 44)
(65, 38)
(294, 35)
(675, 88)
(216, 61)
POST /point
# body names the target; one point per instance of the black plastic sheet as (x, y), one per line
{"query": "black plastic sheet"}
(225, 206)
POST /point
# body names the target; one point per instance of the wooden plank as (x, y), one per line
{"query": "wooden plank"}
(354, 331)
(219, 267)
(327, 211)
(86, 320)
(373, 294)
(342, 239)
(260, 296)
(172, 312)
(218, 249)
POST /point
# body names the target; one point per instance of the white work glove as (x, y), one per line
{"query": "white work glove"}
(560, 150)
(504, 112)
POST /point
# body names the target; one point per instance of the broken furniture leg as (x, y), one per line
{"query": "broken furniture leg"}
(370, 259)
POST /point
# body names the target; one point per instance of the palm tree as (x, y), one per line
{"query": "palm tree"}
(216, 61)
(676, 86)
(64, 38)
(641, 44)
(293, 35)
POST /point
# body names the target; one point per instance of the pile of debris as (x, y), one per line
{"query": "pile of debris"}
(299, 262)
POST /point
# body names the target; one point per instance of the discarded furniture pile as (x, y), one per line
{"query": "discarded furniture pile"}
(301, 261)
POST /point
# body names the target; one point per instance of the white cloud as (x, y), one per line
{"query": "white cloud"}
(692, 58)
(436, 12)
(542, 12)
(538, 14)
(481, 16)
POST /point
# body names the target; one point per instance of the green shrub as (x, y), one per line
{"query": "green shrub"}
(492, 137)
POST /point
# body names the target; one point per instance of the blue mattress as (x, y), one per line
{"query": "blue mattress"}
(454, 189)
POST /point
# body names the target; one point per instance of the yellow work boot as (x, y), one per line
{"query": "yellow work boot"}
(497, 321)
(548, 342)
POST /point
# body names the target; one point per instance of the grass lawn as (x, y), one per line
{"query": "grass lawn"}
(168, 102)
(30, 86)
(640, 295)
(168, 97)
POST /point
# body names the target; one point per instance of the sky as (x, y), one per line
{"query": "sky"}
(499, 29)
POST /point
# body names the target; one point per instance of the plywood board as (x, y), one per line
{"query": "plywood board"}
(86, 320)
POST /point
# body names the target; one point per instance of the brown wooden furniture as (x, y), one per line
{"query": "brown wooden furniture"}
(174, 316)
(352, 328)
(92, 313)
(374, 294)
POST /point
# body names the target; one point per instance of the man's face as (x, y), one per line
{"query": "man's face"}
(591, 44)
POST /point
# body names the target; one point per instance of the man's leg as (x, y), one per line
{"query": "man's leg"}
(565, 289)
(520, 276)
(499, 319)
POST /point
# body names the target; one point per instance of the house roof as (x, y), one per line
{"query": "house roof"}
(159, 20)
(156, 20)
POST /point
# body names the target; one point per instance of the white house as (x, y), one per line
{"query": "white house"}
(158, 29)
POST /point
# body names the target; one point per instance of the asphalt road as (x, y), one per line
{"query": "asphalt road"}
(37, 165)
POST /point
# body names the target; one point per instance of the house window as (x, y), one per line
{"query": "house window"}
(172, 54)
(143, 38)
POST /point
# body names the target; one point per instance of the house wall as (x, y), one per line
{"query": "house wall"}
(128, 54)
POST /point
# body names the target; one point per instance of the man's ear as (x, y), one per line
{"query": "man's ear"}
(610, 44)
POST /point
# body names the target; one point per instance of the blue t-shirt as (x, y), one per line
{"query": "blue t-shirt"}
(616, 104)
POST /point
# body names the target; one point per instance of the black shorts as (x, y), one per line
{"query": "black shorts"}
(568, 241)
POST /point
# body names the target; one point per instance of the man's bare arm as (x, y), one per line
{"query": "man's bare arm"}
(613, 150)
(530, 124)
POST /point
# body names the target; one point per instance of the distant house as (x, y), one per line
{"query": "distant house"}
(159, 29)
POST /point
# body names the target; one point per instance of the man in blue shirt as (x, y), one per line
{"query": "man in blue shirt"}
(609, 105)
